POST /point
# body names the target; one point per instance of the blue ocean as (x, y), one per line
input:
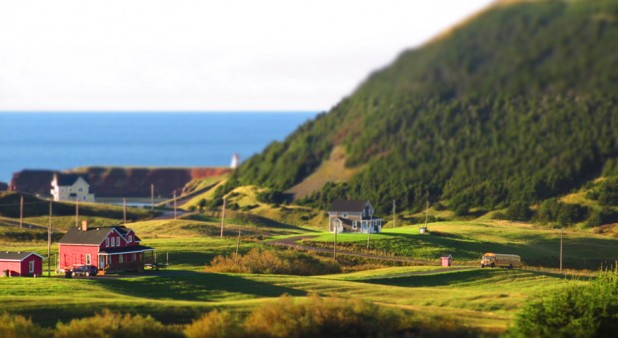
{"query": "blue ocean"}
(61, 141)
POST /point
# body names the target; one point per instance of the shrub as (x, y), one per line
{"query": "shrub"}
(318, 317)
(269, 261)
(575, 311)
(608, 194)
(16, 326)
(108, 324)
(215, 324)
(518, 211)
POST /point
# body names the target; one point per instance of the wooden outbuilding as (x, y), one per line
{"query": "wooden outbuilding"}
(14, 264)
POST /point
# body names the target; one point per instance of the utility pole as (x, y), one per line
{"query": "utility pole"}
(21, 212)
(49, 229)
(124, 211)
(151, 197)
(426, 214)
(561, 235)
(238, 243)
(335, 242)
(76, 212)
(222, 218)
(174, 203)
(369, 226)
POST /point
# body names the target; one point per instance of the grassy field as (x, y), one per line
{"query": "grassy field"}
(484, 299)
(467, 241)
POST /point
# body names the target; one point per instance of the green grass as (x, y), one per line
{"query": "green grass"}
(467, 241)
(476, 296)
(487, 299)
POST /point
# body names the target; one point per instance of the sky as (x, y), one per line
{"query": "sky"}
(203, 55)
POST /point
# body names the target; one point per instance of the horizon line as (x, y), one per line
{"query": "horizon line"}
(257, 111)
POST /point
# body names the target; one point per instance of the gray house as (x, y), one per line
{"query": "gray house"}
(353, 216)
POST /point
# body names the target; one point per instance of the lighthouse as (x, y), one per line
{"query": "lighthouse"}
(235, 161)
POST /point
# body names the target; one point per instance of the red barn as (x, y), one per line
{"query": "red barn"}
(21, 264)
(110, 249)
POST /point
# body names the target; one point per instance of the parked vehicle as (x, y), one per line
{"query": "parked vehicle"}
(85, 270)
(493, 260)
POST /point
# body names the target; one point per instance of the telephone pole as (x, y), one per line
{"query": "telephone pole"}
(49, 229)
(76, 212)
(335, 242)
(21, 212)
(124, 211)
(222, 218)
(561, 235)
(174, 203)
(151, 197)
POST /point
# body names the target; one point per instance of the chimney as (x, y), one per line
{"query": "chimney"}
(84, 225)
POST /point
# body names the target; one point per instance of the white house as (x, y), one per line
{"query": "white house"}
(71, 187)
(353, 216)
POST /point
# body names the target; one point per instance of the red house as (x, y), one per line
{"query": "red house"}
(21, 264)
(110, 249)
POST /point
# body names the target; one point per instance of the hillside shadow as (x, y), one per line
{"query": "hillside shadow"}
(440, 279)
(189, 285)
(458, 246)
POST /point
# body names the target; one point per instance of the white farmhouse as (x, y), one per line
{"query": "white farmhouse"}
(353, 216)
(70, 187)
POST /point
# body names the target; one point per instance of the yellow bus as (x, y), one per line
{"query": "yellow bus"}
(493, 260)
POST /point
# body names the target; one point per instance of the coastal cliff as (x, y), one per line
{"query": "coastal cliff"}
(118, 181)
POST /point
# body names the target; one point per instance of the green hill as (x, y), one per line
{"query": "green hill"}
(519, 104)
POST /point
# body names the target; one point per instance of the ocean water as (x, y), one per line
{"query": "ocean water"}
(68, 140)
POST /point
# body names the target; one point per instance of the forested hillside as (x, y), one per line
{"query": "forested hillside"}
(519, 104)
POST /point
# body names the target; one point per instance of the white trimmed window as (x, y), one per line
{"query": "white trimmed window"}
(107, 242)
(117, 241)
(88, 259)
(130, 239)
(31, 266)
(120, 258)
(113, 242)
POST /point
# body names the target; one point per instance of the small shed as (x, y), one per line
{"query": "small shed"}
(20, 264)
(447, 260)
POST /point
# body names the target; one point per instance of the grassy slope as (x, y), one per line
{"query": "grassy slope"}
(331, 170)
(183, 292)
(467, 241)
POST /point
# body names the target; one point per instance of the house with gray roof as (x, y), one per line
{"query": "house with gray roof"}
(110, 249)
(353, 216)
(20, 264)
(71, 187)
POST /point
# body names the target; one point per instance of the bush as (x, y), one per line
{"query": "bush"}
(575, 311)
(552, 210)
(272, 197)
(518, 211)
(329, 317)
(608, 194)
(215, 324)
(269, 261)
(15, 326)
(108, 324)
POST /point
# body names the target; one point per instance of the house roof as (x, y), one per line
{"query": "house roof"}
(347, 205)
(92, 236)
(16, 256)
(126, 249)
(69, 179)
(345, 221)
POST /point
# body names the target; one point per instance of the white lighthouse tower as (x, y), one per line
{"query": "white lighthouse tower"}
(235, 161)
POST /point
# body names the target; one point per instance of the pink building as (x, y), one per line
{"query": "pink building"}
(21, 264)
(110, 249)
